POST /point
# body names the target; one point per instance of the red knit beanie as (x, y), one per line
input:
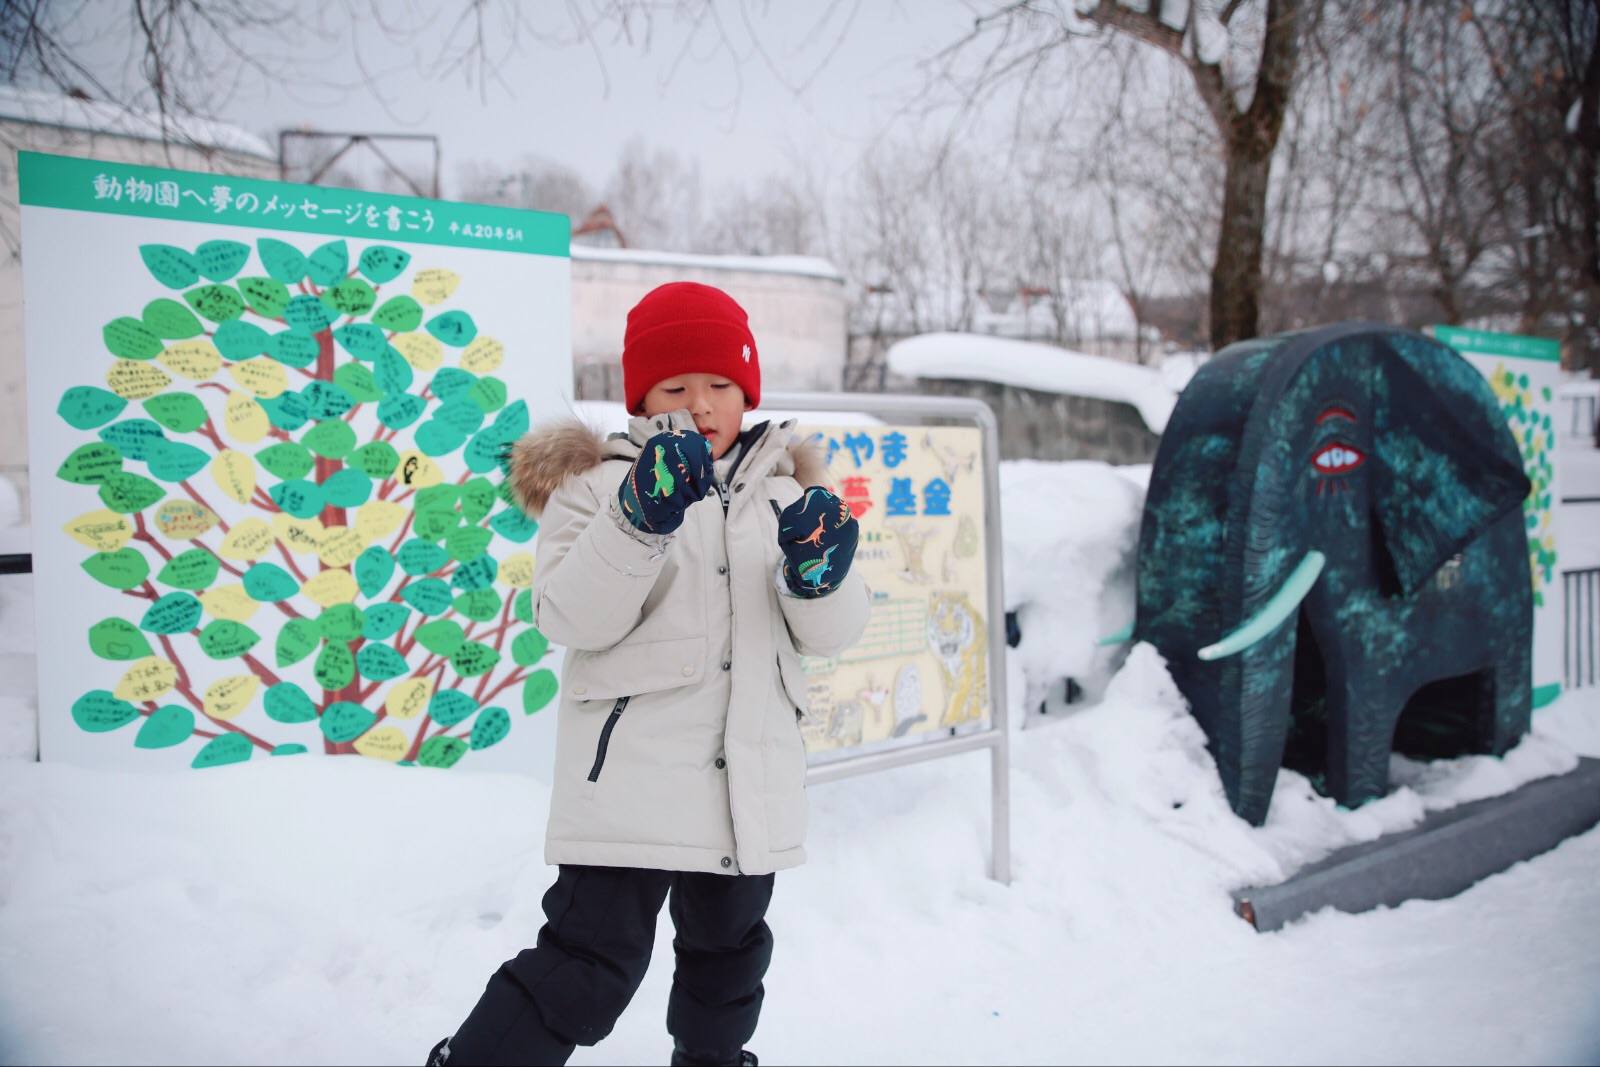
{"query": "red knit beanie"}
(688, 328)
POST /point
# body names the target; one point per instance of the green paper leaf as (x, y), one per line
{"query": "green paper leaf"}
(174, 461)
(125, 568)
(239, 340)
(460, 414)
(134, 438)
(287, 411)
(384, 621)
(418, 557)
(90, 464)
(171, 266)
(450, 382)
(381, 263)
(288, 750)
(483, 453)
(353, 296)
(193, 570)
(372, 570)
(168, 725)
(221, 750)
(287, 460)
(441, 637)
(538, 690)
(468, 542)
(175, 613)
(297, 350)
(434, 525)
(221, 260)
(513, 525)
(512, 422)
(489, 394)
(477, 497)
(491, 728)
(346, 489)
(399, 314)
(522, 606)
(345, 721)
(453, 328)
(118, 639)
(479, 605)
(528, 647)
(269, 583)
(307, 314)
(342, 622)
(435, 438)
(178, 412)
(299, 498)
(130, 338)
(219, 303)
(335, 667)
(449, 707)
(288, 703)
(391, 371)
(358, 381)
(376, 460)
(362, 340)
(128, 493)
(171, 320)
(431, 596)
(98, 712)
(399, 410)
(333, 439)
(324, 400)
(443, 497)
(296, 640)
(330, 263)
(83, 407)
(441, 752)
(226, 639)
(476, 573)
(267, 297)
(379, 662)
(284, 262)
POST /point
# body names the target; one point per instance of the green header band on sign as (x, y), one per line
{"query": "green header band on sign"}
(231, 200)
(1484, 343)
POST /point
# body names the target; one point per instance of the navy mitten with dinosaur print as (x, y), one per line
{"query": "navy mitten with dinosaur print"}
(673, 471)
(818, 536)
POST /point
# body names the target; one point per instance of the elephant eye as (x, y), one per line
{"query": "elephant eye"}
(1337, 458)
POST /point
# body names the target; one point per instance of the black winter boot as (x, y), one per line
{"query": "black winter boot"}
(686, 1057)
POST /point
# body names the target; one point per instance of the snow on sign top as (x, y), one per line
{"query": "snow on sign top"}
(1030, 365)
(95, 116)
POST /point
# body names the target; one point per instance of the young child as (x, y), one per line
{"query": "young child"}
(685, 565)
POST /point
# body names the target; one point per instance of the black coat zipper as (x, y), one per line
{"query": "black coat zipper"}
(605, 738)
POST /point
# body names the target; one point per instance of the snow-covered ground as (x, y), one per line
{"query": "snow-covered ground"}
(338, 911)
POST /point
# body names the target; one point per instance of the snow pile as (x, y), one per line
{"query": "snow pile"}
(1031, 365)
(94, 116)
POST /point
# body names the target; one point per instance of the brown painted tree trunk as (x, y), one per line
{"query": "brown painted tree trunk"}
(1236, 273)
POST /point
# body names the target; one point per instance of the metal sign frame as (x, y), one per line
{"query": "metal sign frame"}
(996, 738)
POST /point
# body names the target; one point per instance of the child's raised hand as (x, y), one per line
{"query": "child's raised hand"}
(818, 536)
(674, 471)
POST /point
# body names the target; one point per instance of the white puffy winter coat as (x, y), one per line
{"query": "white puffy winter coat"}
(678, 742)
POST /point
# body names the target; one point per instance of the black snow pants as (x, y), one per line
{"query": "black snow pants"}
(591, 955)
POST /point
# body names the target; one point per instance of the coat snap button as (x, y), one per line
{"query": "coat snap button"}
(721, 763)
(726, 665)
(727, 862)
(688, 671)
(722, 570)
(738, 487)
(579, 690)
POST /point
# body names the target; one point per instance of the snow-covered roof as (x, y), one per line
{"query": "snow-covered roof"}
(809, 266)
(1030, 365)
(95, 116)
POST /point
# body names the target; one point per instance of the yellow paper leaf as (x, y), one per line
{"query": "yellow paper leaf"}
(132, 380)
(331, 587)
(300, 536)
(340, 546)
(434, 285)
(517, 571)
(263, 377)
(245, 420)
(417, 471)
(235, 474)
(184, 520)
(421, 350)
(406, 700)
(103, 531)
(192, 359)
(225, 699)
(379, 518)
(150, 678)
(229, 602)
(483, 355)
(251, 539)
(385, 743)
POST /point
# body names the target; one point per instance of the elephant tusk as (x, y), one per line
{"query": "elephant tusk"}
(1273, 612)
(1124, 634)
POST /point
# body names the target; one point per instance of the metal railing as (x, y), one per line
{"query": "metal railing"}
(1580, 645)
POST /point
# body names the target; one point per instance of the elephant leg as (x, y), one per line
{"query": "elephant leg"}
(1360, 732)
(1513, 699)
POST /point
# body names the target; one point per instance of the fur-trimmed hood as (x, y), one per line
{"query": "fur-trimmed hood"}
(548, 455)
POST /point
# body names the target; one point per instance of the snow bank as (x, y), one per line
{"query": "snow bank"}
(94, 116)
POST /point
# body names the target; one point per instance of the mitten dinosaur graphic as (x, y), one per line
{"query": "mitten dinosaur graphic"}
(816, 561)
(673, 471)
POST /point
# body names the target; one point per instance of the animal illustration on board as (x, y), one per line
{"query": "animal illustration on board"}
(913, 541)
(956, 635)
(907, 699)
(952, 460)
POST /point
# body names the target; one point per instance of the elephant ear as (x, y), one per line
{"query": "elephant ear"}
(1443, 473)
